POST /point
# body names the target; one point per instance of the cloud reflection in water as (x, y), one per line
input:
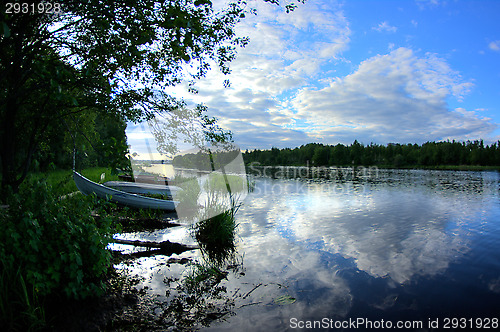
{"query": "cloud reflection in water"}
(397, 233)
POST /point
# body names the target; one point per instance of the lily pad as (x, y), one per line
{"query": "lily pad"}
(284, 300)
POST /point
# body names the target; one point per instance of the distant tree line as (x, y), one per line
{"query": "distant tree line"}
(205, 160)
(391, 155)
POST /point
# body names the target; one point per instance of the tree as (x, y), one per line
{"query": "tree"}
(356, 151)
(113, 57)
(340, 155)
(321, 156)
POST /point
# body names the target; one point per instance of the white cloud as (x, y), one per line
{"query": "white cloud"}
(274, 98)
(397, 97)
(424, 4)
(141, 141)
(385, 27)
(495, 45)
(283, 54)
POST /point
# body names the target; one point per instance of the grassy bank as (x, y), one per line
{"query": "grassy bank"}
(56, 273)
(62, 182)
(52, 250)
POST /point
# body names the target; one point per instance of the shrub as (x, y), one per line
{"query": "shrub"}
(57, 245)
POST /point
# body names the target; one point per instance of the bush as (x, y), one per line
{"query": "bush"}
(57, 245)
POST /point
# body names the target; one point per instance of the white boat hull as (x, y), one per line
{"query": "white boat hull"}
(142, 188)
(88, 187)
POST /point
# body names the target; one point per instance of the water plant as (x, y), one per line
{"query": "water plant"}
(199, 298)
(188, 197)
(216, 229)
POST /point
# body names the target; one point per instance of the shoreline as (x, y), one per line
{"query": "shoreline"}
(412, 167)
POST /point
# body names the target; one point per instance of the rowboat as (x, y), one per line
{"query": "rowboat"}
(143, 178)
(143, 188)
(88, 187)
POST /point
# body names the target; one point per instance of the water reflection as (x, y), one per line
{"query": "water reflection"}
(413, 228)
(407, 244)
(387, 232)
(396, 246)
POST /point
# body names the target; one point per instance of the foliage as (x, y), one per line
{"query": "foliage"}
(206, 160)
(99, 140)
(96, 59)
(61, 180)
(20, 307)
(392, 155)
(57, 245)
(201, 298)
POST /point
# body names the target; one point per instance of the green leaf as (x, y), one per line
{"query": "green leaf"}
(78, 259)
(5, 30)
(284, 300)
(33, 244)
(202, 2)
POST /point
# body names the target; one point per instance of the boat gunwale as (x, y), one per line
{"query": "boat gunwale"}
(123, 194)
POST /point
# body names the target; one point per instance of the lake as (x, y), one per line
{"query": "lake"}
(386, 248)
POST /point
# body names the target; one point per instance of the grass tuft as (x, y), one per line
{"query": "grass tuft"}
(216, 230)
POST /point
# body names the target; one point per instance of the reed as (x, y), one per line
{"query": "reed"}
(20, 306)
(216, 230)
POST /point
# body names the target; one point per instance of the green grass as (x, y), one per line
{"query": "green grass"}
(62, 180)
(20, 308)
(217, 182)
(62, 183)
(216, 230)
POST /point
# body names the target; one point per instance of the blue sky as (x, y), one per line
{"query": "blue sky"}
(376, 71)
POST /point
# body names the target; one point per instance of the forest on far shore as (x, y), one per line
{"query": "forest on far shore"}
(429, 154)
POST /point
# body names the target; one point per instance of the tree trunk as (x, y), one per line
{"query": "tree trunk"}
(163, 248)
(8, 147)
(16, 74)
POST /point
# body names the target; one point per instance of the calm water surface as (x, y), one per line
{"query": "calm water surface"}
(399, 245)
